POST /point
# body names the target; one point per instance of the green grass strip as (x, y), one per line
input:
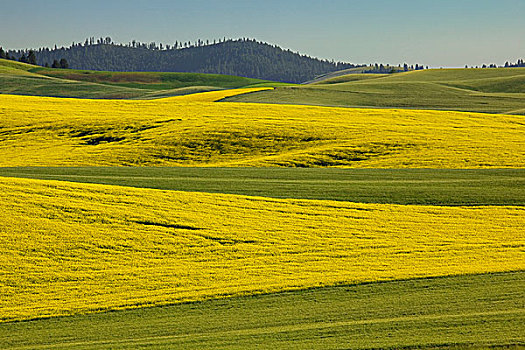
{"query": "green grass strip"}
(462, 311)
(395, 186)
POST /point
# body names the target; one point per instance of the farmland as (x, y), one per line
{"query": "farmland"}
(24, 79)
(95, 247)
(500, 90)
(460, 312)
(194, 131)
(184, 222)
(445, 187)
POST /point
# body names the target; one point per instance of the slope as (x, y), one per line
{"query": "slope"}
(151, 80)
(500, 90)
(80, 248)
(460, 312)
(242, 57)
(24, 79)
(443, 187)
(194, 131)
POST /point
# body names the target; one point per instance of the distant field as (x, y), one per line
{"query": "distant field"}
(69, 248)
(23, 79)
(150, 81)
(389, 186)
(461, 312)
(195, 131)
(500, 90)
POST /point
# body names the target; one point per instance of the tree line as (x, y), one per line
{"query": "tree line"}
(240, 57)
(388, 69)
(519, 63)
(30, 58)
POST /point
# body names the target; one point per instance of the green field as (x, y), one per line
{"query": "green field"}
(457, 311)
(453, 312)
(498, 90)
(25, 79)
(399, 186)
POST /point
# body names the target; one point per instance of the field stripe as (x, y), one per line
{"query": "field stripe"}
(280, 329)
(392, 186)
(485, 309)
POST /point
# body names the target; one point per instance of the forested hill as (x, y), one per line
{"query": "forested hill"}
(242, 57)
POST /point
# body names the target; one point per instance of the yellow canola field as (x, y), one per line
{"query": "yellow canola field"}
(76, 248)
(194, 131)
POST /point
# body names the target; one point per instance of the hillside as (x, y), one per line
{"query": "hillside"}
(148, 254)
(25, 79)
(130, 247)
(477, 311)
(193, 130)
(494, 90)
(243, 57)
(443, 187)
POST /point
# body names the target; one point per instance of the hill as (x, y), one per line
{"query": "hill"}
(25, 79)
(364, 72)
(194, 131)
(130, 247)
(434, 259)
(453, 313)
(492, 90)
(243, 57)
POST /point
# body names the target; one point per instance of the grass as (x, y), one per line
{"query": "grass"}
(393, 186)
(195, 131)
(69, 248)
(500, 90)
(476, 311)
(24, 79)
(83, 249)
(476, 90)
(151, 80)
(8, 66)
(41, 86)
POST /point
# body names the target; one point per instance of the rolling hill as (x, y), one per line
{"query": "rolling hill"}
(239, 246)
(194, 130)
(457, 312)
(72, 248)
(494, 90)
(242, 57)
(434, 259)
(500, 90)
(24, 79)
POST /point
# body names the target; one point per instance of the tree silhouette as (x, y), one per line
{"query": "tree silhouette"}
(63, 63)
(31, 57)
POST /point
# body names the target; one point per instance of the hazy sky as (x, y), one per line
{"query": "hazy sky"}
(448, 33)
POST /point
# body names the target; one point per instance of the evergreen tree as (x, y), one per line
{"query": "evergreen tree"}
(248, 58)
(2, 53)
(55, 64)
(31, 58)
(63, 63)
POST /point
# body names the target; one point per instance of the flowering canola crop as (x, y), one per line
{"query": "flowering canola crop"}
(76, 248)
(193, 130)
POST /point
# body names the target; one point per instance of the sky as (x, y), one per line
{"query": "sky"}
(437, 33)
